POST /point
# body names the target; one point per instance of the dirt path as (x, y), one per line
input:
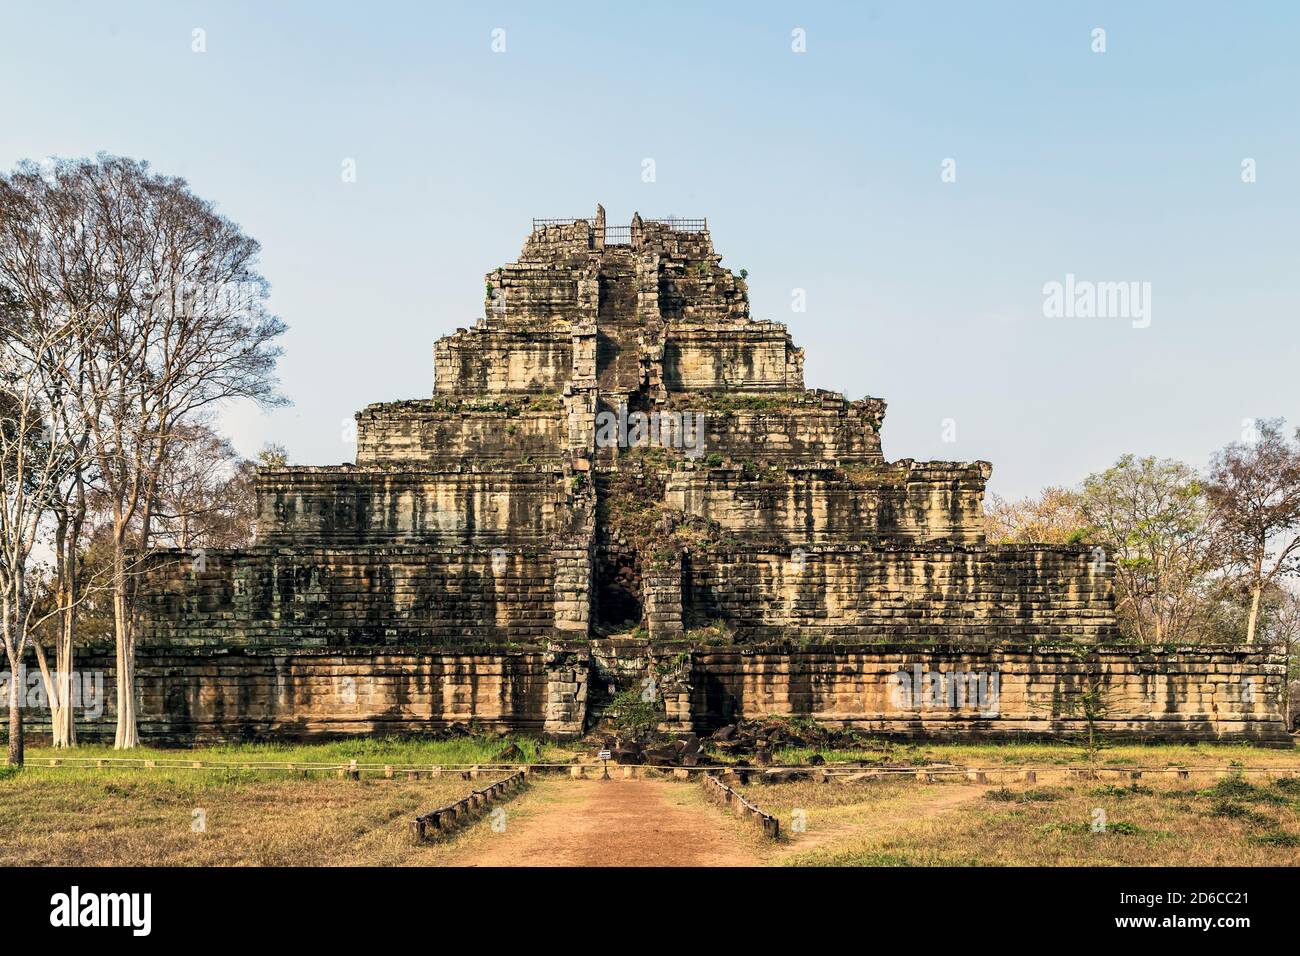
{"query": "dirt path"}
(609, 823)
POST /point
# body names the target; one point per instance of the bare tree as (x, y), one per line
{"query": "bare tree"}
(1052, 517)
(70, 587)
(1279, 631)
(39, 238)
(36, 456)
(1255, 490)
(177, 325)
(205, 497)
(69, 509)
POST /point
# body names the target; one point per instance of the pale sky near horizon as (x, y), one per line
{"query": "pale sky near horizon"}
(819, 171)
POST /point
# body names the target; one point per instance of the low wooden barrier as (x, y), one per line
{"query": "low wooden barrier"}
(438, 822)
(720, 792)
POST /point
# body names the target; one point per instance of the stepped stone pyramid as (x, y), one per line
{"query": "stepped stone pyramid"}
(621, 477)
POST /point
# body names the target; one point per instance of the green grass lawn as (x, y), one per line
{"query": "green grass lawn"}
(398, 752)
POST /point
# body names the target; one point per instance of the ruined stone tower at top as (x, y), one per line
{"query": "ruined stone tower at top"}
(589, 306)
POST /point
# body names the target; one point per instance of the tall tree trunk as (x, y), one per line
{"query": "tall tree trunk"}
(64, 730)
(16, 689)
(63, 651)
(60, 683)
(127, 735)
(12, 626)
(1253, 619)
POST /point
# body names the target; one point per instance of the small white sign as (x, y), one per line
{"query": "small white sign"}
(603, 755)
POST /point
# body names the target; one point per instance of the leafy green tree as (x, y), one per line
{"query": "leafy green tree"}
(1154, 521)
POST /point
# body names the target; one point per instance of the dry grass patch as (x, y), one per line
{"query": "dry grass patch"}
(1111, 755)
(1230, 823)
(817, 815)
(124, 818)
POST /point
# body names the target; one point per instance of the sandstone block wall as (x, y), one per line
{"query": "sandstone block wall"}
(538, 294)
(801, 505)
(745, 356)
(930, 501)
(188, 696)
(804, 432)
(437, 434)
(795, 508)
(383, 505)
(423, 596)
(934, 593)
(573, 581)
(519, 361)
(1210, 694)
(940, 691)
(663, 599)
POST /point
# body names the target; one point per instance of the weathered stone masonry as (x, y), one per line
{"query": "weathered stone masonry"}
(1000, 691)
(491, 557)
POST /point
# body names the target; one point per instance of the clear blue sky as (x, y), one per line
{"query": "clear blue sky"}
(818, 171)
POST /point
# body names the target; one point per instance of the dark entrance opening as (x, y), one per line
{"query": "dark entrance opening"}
(618, 590)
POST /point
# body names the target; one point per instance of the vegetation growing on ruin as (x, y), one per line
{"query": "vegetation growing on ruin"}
(630, 507)
(1089, 702)
(712, 631)
(540, 402)
(723, 403)
(761, 471)
(630, 714)
(869, 474)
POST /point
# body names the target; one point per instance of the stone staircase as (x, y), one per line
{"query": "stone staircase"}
(618, 329)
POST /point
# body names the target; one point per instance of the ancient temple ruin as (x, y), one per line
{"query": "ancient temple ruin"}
(621, 480)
